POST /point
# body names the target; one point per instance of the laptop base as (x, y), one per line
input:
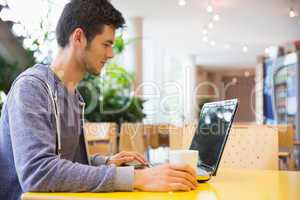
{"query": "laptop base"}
(202, 175)
(203, 179)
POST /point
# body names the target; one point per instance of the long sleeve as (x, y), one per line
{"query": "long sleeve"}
(33, 138)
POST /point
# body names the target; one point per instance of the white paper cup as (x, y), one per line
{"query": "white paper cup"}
(189, 157)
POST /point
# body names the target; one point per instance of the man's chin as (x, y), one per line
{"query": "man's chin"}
(95, 71)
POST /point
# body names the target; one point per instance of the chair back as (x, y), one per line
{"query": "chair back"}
(188, 133)
(151, 135)
(101, 137)
(181, 137)
(251, 147)
(286, 137)
(132, 137)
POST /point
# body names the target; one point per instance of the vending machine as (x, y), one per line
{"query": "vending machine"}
(282, 90)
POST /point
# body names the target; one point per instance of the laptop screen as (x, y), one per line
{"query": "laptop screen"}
(212, 131)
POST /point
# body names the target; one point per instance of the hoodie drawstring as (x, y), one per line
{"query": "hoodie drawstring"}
(84, 135)
(55, 105)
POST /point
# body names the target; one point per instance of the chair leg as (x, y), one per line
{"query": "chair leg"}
(290, 163)
(283, 163)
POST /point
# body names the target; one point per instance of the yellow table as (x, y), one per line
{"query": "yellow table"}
(228, 184)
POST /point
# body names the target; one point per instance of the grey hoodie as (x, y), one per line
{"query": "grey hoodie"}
(28, 143)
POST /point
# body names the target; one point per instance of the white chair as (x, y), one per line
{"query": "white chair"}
(251, 147)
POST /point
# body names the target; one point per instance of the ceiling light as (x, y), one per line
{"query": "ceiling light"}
(209, 9)
(216, 17)
(247, 74)
(245, 49)
(205, 39)
(204, 32)
(210, 25)
(212, 43)
(3, 2)
(266, 51)
(181, 2)
(292, 13)
(7, 14)
(234, 80)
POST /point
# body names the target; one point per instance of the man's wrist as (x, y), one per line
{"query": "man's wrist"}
(138, 179)
(124, 179)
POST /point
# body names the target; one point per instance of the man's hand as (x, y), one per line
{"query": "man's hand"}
(125, 157)
(166, 178)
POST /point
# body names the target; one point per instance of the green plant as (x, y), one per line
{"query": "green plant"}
(109, 97)
(9, 71)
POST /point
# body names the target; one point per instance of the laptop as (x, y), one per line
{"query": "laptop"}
(211, 135)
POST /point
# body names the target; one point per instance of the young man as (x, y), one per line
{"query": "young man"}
(42, 146)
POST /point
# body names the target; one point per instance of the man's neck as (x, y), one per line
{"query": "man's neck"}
(67, 70)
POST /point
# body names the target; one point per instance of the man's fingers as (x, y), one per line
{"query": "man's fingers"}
(185, 168)
(126, 159)
(185, 175)
(183, 181)
(140, 158)
(179, 187)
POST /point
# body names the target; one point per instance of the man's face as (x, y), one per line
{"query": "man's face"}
(99, 50)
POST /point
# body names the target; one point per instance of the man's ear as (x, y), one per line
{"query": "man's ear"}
(78, 38)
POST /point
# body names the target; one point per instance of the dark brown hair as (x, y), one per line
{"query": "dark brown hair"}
(90, 16)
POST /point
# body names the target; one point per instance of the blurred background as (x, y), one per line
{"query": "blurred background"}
(174, 56)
